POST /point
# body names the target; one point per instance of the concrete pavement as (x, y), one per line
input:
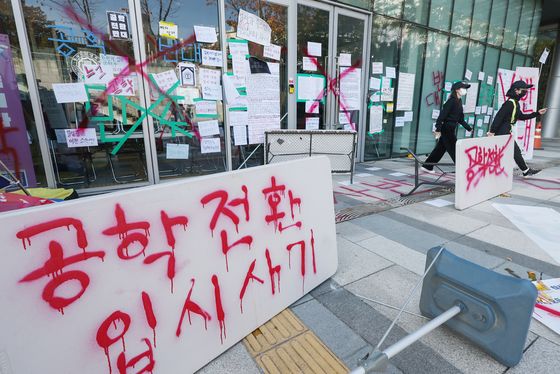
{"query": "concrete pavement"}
(382, 241)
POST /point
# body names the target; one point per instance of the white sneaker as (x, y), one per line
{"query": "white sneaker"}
(428, 170)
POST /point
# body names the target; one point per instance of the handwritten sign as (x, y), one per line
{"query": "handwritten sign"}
(272, 51)
(484, 169)
(165, 80)
(103, 283)
(252, 28)
(177, 151)
(205, 34)
(80, 138)
(211, 57)
(168, 30)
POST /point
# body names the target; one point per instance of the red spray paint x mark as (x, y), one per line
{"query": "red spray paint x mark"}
(332, 86)
(219, 308)
(192, 307)
(249, 277)
(139, 67)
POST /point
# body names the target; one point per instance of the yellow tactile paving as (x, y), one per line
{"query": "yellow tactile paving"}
(285, 345)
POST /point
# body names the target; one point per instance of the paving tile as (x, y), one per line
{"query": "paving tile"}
(370, 324)
(541, 330)
(474, 255)
(335, 334)
(513, 240)
(542, 357)
(355, 262)
(307, 297)
(353, 232)
(234, 360)
(513, 269)
(396, 252)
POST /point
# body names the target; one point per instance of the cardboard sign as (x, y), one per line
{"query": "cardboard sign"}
(484, 169)
(177, 273)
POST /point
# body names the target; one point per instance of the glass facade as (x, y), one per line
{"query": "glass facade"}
(133, 92)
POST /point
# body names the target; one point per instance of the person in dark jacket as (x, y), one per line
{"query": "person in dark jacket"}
(446, 124)
(508, 115)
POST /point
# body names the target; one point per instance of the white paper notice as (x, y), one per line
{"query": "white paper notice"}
(484, 109)
(486, 120)
(399, 122)
(470, 121)
(313, 49)
(263, 105)
(60, 136)
(387, 92)
(208, 128)
(477, 110)
(468, 74)
(70, 92)
(187, 74)
(439, 203)
(238, 118)
(435, 113)
(188, 94)
(405, 92)
(490, 80)
(229, 89)
(309, 64)
(311, 107)
(448, 86)
(312, 123)
(480, 133)
(468, 133)
(168, 30)
(343, 118)
(310, 87)
(345, 59)
(205, 34)
(377, 68)
(80, 138)
(375, 119)
(206, 107)
(544, 56)
(374, 83)
(209, 77)
(177, 151)
(490, 111)
(165, 80)
(350, 88)
(210, 145)
(479, 122)
(390, 72)
(472, 96)
(239, 51)
(408, 116)
(252, 28)
(211, 57)
(272, 51)
(212, 92)
(481, 76)
(118, 63)
(239, 135)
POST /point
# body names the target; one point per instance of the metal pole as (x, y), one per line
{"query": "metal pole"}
(378, 360)
(428, 327)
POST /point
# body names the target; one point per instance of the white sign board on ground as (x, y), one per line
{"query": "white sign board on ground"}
(165, 277)
(484, 169)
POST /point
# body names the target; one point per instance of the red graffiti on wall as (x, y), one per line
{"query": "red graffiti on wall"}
(434, 98)
(484, 161)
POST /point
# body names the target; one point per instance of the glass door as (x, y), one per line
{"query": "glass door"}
(349, 88)
(331, 67)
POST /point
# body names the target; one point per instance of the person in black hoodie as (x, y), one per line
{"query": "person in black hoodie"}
(446, 125)
(508, 115)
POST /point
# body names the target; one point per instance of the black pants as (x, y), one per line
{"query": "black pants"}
(446, 142)
(518, 157)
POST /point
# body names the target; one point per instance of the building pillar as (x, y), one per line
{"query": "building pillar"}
(551, 120)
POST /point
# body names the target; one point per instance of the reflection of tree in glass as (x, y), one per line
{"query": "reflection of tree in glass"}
(274, 15)
(164, 9)
(35, 18)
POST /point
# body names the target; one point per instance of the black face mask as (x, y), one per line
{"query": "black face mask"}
(522, 95)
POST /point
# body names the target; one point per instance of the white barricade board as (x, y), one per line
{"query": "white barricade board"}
(484, 169)
(165, 277)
